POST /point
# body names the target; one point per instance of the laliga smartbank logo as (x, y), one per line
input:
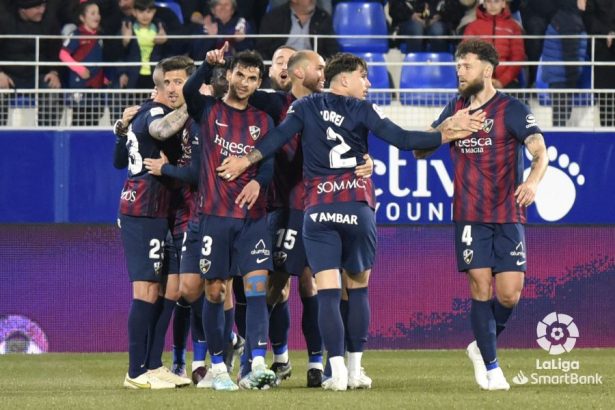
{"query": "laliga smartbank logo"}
(557, 334)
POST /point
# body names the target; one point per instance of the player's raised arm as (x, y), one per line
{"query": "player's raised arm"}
(526, 192)
(194, 99)
(406, 140)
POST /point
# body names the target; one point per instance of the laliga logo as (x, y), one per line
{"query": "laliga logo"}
(557, 333)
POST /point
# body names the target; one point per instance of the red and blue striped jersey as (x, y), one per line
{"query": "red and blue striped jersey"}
(228, 131)
(184, 197)
(488, 164)
(87, 50)
(144, 194)
(286, 189)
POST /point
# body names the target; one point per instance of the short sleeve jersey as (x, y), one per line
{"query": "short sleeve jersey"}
(489, 164)
(228, 131)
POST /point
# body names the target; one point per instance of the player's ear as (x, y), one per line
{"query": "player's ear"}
(260, 80)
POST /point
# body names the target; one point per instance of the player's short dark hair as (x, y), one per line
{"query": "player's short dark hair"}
(178, 63)
(144, 4)
(484, 51)
(296, 58)
(343, 63)
(248, 58)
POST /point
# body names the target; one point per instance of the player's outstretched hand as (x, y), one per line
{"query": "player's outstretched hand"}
(249, 194)
(154, 165)
(461, 125)
(525, 193)
(232, 167)
(464, 121)
(214, 57)
(365, 170)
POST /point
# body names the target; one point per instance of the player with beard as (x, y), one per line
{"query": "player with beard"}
(490, 200)
(339, 227)
(234, 238)
(279, 79)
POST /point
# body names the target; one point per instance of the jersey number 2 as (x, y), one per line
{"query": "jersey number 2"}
(335, 155)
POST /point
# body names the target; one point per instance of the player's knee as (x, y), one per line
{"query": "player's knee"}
(255, 285)
(215, 292)
(307, 286)
(509, 299)
(172, 294)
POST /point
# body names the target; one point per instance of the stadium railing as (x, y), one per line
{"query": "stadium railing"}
(56, 109)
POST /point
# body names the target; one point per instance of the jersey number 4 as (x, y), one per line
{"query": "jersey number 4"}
(466, 235)
(335, 155)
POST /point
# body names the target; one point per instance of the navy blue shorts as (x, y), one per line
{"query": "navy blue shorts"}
(340, 236)
(230, 246)
(191, 250)
(286, 229)
(172, 253)
(500, 247)
(144, 242)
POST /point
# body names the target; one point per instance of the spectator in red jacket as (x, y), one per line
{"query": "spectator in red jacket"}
(493, 19)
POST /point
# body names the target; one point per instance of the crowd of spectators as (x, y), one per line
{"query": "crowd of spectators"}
(143, 29)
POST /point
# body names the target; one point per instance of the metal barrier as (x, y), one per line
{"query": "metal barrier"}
(415, 108)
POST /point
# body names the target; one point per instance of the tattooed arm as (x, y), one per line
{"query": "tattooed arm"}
(526, 192)
(170, 124)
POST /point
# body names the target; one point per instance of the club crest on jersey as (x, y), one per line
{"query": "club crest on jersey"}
(468, 254)
(279, 258)
(255, 132)
(157, 268)
(204, 265)
(488, 125)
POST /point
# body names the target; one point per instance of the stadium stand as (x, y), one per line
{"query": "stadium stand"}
(427, 76)
(361, 19)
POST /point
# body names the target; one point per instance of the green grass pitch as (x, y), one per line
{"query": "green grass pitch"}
(402, 380)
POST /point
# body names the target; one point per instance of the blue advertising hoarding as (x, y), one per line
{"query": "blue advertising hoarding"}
(67, 176)
(577, 187)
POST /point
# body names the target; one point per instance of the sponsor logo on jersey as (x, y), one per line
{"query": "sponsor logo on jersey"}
(335, 186)
(230, 148)
(334, 217)
(531, 121)
(255, 132)
(128, 195)
(473, 145)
